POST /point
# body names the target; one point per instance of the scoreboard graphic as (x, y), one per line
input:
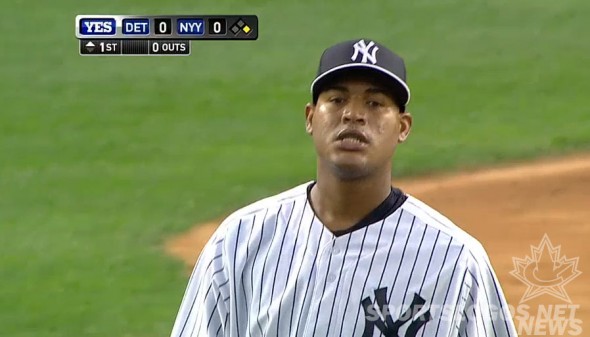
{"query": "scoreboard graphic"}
(136, 35)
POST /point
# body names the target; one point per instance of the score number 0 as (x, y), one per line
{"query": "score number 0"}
(163, 26)
(217, 26)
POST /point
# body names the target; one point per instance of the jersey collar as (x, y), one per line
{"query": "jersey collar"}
(393, 201)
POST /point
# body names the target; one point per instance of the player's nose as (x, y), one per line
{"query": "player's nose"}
(354, 112)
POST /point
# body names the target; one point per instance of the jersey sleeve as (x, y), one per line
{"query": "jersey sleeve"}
(204, 310)
(486, 311)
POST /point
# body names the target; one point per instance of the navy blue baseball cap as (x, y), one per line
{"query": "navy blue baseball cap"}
(363, 55)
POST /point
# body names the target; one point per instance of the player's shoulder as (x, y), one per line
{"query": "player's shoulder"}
(267, 206)
(271, 202)
(435, 219)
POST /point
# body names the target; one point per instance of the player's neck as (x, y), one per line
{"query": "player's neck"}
(340, 204)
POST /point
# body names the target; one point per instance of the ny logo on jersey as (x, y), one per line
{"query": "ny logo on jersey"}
(368, 51)
(388, 327)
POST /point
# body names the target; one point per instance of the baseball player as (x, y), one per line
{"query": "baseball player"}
(346, 254)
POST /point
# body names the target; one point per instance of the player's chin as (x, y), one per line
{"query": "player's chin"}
(350, 166)
(350, 158)
(350, 173)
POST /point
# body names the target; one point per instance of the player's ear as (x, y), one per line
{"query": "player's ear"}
(308, 117)
(405, 126)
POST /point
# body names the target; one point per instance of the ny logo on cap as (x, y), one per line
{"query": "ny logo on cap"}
(368, 51)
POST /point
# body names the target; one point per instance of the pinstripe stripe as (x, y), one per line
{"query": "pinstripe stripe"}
(235, 278)
(412, 271)
(213, 311)
(254, 265)
(399, 265)
(485, 292)
(499, 300)
(279, 259)
(429, 261)
(225, 323)
(459, 296)
(298, 273)
(439, 273)
(338, 282)
(389, 251)
(218, 330)
(474, 304)
(266, 258)
(290, 264)
(354, 272)
(309, 281)
(244, 273)
(450, 284)
(323, 291)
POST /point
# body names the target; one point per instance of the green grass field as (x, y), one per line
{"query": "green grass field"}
(102, 159)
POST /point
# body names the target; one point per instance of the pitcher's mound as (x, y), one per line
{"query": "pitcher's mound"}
(509, 210)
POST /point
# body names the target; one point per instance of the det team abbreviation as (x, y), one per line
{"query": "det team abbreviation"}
(158, 35)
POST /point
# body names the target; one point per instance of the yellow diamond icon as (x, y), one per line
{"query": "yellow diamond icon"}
(246, 29)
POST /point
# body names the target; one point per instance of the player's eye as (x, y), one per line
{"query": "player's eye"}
(374, 104)
(336, 100)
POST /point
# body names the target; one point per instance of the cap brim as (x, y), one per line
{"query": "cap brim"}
(398, 82)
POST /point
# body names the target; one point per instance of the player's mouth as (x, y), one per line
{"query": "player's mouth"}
(352, 140)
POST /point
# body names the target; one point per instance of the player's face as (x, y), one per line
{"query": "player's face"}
(356, 127)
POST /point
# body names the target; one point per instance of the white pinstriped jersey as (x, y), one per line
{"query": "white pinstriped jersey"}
(273, 269)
